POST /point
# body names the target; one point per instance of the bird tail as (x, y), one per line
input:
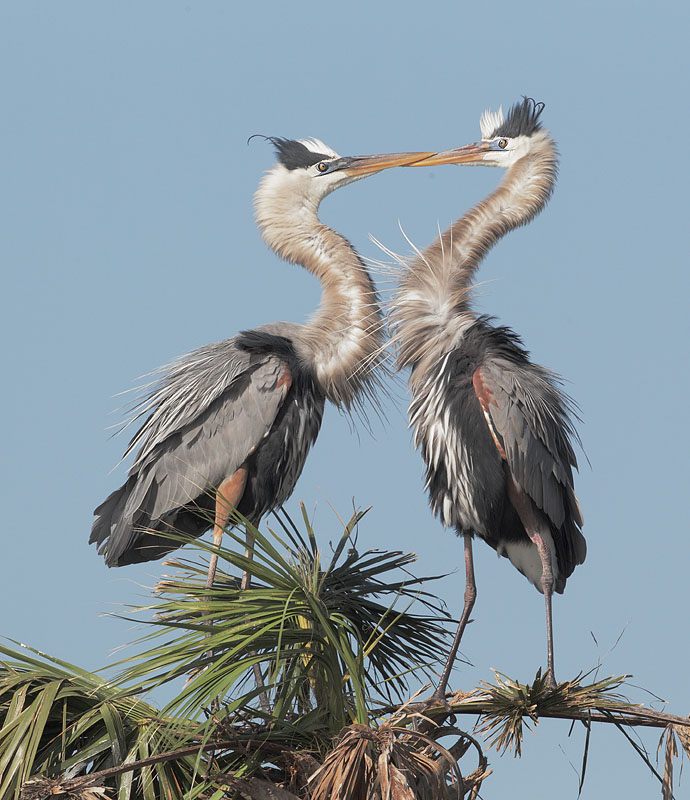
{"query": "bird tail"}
(107, 529)
(128, 529)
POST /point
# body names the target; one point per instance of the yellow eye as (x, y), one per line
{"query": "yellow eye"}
(503, 143)
(322, 167)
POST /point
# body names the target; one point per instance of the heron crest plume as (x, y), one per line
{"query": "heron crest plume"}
(299, 153)
(522, 120)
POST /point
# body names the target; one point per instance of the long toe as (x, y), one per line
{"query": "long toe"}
(438, 698)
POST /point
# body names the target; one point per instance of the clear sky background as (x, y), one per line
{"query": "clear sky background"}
(127, 238)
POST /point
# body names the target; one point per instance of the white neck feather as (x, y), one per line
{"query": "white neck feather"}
(342, 341)
(432, 307)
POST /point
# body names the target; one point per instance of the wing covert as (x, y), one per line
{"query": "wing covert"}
(529, 422)
(187, 452)
(213, 445)
(187, 388)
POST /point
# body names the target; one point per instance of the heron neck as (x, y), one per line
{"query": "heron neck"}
(342, 341)
(432, 306)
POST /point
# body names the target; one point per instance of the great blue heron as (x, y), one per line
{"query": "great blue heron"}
(230, 424)
(494, 429)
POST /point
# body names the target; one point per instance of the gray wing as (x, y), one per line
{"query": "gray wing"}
(209, 412)
(529, 419)
(187, 387)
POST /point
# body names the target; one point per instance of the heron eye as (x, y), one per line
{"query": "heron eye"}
(322, 167)
(503, 143)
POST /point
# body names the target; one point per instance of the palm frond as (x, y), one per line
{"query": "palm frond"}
(335, 633)
(326, 633)
(57, 718)
(510, 706)
(395, 763)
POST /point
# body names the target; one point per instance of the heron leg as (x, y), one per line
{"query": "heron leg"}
(523, 506)
(547, 585)
(249, 553)
(244, 585)
(228, 496)
(470, 597)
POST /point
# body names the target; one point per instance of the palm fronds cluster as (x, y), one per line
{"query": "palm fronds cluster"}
(394, 762)
(329, 637)
(335, 639)
(59, 720)
(336, 636)
(510, 706)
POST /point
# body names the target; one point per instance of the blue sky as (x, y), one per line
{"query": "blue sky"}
(126, 190)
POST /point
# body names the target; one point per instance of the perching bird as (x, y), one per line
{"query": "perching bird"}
(494, 429)
(230, 424)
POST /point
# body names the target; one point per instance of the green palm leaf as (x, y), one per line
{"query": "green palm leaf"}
(332, 644)
(56, 717)
(328, 636)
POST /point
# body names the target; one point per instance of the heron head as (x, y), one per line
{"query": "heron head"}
(505, 139)
(307, 171)
(310, 168)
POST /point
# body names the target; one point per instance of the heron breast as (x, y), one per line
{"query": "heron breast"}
(465, 480)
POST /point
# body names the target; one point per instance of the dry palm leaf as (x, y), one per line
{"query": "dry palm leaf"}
(393, 763)
(63, 789)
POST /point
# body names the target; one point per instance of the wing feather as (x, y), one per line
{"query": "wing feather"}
(185, 389)
(193, 439)
(529, 416)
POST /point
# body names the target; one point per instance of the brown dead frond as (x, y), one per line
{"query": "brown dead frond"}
(347, 768)
(509, 706)
(396, 763)
(683, 735)
(81, 788)
(470, 783)
(257, 789)
(671, 752)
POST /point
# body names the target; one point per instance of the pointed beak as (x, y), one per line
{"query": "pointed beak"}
(469, 154)
(365, 165)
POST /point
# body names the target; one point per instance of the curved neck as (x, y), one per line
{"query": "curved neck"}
(432, 306)
(343, 341)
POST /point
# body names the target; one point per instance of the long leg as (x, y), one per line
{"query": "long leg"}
(547, 586)
(228, 496)
(244, 585)
(249, 553)
(528, 518)
(470, 597)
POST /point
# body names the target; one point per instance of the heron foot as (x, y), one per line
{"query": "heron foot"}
(551, 679)
(437, 699)
(429, 722)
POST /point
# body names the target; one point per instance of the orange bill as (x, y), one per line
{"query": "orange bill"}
(469, 154)
(363, 165)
